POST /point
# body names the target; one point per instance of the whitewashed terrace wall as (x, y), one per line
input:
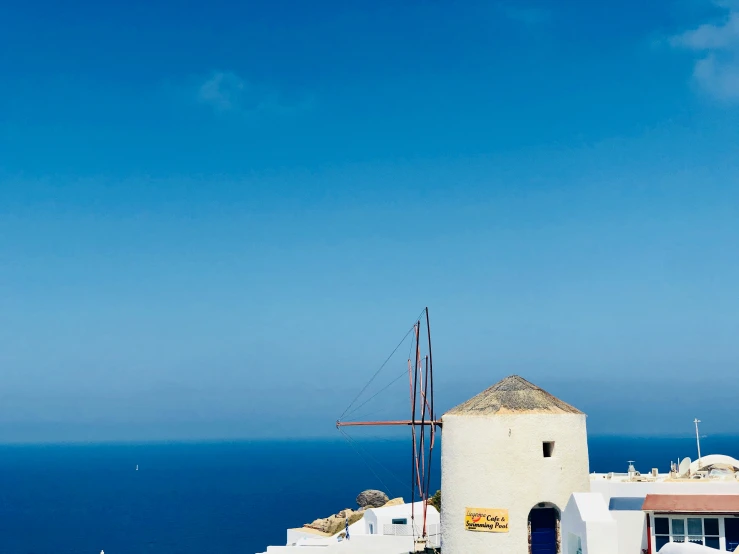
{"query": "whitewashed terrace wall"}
(360, 544)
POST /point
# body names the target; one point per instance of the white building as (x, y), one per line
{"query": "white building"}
(513, 451)
(516, 452)
(389, 530)
(399, 521)
(692, 510)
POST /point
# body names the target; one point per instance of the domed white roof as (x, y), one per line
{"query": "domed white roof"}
(715, 460)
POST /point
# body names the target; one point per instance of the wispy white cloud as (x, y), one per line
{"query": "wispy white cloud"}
(527, 15)
(720, 78)
(712, 37)
(225, 91)
(717, 68)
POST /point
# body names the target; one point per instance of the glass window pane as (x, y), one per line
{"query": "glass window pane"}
(678, 538)
(695, 539)
(711, 525)
(678, 526)
(712, 542)
(659, 542)
(661, 526)
(695, 526)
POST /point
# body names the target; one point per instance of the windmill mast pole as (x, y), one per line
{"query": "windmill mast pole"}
(423, 375)
(432, 415)
(414, 461)
(375, 423)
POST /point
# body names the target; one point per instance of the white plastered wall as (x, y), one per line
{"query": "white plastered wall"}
(587, 517)
(496, 461)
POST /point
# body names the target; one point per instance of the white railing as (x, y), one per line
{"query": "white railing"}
(407, 531)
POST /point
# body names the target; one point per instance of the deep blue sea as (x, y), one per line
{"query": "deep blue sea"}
(236, 497)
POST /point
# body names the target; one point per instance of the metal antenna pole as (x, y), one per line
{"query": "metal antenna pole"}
(698, 440)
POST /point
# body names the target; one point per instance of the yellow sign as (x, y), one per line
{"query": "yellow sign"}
(486, 520)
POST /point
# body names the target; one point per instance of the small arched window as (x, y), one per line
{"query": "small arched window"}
(372, 528)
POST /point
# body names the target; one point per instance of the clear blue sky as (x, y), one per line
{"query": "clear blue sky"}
(217, 219)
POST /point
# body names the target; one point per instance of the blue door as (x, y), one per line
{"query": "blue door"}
(732, 533)
(543, 531)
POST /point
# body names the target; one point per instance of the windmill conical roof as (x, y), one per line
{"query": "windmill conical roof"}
(513, 395)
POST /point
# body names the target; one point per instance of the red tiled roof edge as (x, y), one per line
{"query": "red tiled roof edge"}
(692, 503)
